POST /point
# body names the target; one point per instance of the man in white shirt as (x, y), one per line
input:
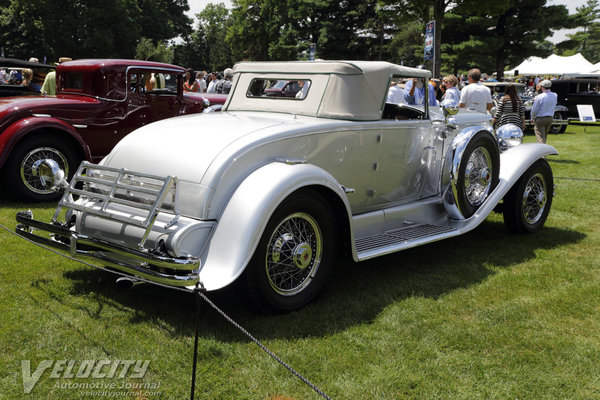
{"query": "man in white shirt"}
(542, 111)
(475, 96)
(395, 94)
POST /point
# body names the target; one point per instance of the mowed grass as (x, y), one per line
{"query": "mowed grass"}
(488, 315)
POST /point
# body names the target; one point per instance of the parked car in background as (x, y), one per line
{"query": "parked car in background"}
(97, 103)
(274, 186)
(560, 112)
(282, 88)
(574, 91)
(10, 87)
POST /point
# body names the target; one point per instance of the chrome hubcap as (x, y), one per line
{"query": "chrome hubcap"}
(32, 177)
(478, 176)
(534, 199)
(294, 254)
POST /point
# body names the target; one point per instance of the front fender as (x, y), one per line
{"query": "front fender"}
(19, 129)
(244, 218)
(513, 164)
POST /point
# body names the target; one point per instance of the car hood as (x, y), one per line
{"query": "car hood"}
(187, 146)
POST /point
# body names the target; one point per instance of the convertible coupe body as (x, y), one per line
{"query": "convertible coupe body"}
(275, 185)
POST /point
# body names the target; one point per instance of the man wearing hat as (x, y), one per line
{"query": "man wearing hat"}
(542, 112)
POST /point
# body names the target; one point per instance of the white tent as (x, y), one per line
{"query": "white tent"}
(553, 65)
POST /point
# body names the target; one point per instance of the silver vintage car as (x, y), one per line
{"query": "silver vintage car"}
(269, 189)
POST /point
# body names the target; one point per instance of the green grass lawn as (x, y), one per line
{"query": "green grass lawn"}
(488, 315)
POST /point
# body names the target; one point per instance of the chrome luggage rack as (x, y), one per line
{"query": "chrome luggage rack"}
(107, 187)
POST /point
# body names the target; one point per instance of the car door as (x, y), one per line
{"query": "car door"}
(407, 153)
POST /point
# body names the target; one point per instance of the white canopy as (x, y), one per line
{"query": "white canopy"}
(553, 65)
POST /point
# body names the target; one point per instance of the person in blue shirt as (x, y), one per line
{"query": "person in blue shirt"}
(542, 111)
(414, 92)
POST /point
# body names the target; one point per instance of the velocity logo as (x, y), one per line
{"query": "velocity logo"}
(74, 369)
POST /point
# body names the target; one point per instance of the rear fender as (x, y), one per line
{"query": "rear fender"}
(20, 129)
(245, 216)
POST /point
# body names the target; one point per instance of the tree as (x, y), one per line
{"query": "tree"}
(499, 34)
(88, 28)
(586, 41)
(146, 50)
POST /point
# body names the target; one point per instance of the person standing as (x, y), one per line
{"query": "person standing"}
(395, 94)
(475, 96)
(414, 92)
(450, 84)
(190, 84)
(224, 85)
(201, 81)
(510, 109)
(542, 111)
(49, 85)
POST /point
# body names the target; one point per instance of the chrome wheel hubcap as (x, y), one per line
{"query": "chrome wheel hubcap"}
(478, 176)
(293, 254)
(30, 175)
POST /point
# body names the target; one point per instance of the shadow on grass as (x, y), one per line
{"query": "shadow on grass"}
(356, 292)
(555, 161)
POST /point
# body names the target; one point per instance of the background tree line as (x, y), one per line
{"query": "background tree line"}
(490, 34)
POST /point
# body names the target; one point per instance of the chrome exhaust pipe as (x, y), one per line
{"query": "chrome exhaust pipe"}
(125, 282)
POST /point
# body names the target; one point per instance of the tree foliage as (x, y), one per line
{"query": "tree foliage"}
(88, 28)
(587, 40)
(489, 34)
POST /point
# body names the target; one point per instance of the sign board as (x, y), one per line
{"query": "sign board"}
(429, 40)
(586, 113)
(312, 49)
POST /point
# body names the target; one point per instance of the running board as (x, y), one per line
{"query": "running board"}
(401, 239)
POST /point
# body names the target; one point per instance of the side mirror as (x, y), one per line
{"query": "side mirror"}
(50, 174)
(206, 103)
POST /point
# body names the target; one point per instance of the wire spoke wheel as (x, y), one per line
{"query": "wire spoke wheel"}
(478, 176)
(534, 199)
(478, 173)
(294, 254)
(28, 170)
(527, 204)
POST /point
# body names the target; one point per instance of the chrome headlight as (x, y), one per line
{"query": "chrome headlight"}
(509, 135)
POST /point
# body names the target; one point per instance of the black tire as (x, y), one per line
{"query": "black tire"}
(295, 254)
(527, 204)
(478, 173)
(18, 169)
(556, 128)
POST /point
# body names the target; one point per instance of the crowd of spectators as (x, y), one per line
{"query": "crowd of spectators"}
(203, 82)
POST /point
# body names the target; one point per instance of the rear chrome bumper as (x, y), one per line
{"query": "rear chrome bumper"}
(141, 263)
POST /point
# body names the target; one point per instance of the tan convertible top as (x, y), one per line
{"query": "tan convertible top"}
(354, 90)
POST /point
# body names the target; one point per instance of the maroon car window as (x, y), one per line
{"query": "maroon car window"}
(115, 86)
(73, 81)
(152, 82)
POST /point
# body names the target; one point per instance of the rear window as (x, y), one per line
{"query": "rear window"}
(279, 88)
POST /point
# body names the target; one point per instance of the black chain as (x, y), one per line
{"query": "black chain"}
(199, 291)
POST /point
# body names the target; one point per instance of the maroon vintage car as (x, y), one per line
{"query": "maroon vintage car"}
(97, 103)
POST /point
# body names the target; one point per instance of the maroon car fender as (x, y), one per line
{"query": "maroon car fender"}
(18, 130)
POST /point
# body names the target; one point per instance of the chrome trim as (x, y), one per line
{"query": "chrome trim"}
(149, 265)
(42, 115)
(80, 126)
